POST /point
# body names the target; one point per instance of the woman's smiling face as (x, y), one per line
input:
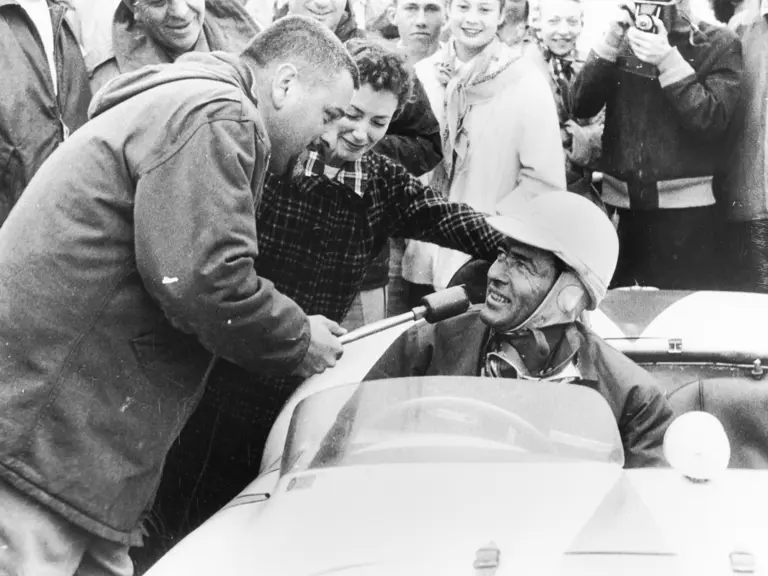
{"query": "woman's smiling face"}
(474, 24)
(366, 122)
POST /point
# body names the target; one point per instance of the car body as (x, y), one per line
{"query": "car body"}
(442, 475)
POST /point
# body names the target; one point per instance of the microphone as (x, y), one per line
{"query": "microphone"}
(434, 308)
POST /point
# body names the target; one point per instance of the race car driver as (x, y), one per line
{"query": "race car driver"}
(560, 254)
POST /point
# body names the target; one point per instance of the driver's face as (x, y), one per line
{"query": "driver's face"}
(518, 281)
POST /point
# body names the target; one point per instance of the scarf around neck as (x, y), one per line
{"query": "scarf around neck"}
(537, 335)
(562, 70)
(543, 355)
(478, 80)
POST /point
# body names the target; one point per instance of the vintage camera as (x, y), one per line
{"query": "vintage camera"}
(643, 18)
(646, 23)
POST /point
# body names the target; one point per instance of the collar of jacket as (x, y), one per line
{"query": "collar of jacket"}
(60, 9)
(542, 359)
(679, 27)
(352, 175)
(227, 26)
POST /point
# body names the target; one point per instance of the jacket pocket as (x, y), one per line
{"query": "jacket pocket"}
(12, 179)
(174, 367)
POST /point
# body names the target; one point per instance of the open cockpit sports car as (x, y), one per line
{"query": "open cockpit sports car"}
(481, 476)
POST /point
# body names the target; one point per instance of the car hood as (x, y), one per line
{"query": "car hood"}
(544, 518)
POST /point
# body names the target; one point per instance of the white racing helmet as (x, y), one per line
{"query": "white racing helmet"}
(574, 229)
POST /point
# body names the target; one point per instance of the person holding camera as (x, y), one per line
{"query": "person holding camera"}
(670, 85)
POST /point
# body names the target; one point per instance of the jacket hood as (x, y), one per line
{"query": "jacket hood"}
(217, 66)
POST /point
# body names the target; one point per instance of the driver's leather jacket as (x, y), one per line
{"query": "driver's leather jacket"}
(456, 347)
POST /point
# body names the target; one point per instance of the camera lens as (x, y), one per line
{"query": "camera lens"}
(645, 23)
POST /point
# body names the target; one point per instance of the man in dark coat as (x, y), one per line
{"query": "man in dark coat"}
(558, 261)
(126, 265)
(670, 95)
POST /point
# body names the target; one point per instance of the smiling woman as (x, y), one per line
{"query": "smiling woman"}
(474, 24)
(385, 88)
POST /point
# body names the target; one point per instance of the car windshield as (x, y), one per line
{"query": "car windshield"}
(450, 419)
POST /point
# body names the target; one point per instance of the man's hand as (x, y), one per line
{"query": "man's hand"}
(618, 24)
(648, 47)
(324, 347)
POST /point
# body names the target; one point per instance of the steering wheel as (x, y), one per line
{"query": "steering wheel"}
(536, 439)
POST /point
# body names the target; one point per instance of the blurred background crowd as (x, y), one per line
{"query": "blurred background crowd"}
(658, 182)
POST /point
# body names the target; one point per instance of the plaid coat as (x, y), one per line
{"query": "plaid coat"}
(316, 236)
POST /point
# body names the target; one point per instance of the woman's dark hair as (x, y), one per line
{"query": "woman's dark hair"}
(383, 69)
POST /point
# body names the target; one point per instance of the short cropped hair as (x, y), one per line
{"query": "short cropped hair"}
(383, 69)
(307, 44)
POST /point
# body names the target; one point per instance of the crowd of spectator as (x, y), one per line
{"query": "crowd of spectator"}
(461, 108)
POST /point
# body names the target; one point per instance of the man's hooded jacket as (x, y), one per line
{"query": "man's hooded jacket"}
(128, 263)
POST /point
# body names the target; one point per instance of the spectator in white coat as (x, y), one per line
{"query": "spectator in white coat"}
(501, 138)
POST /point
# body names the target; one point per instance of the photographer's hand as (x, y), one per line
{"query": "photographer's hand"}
(618, 24)
(607, 48)
(649, 47)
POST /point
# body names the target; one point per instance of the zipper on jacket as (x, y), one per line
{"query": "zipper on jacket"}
(56, 25)
(59, 13)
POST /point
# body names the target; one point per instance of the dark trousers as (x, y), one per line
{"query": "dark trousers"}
(216, 456)
(668, 249)
(745, 253)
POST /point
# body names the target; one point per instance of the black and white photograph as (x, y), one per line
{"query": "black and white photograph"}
(383, 287)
